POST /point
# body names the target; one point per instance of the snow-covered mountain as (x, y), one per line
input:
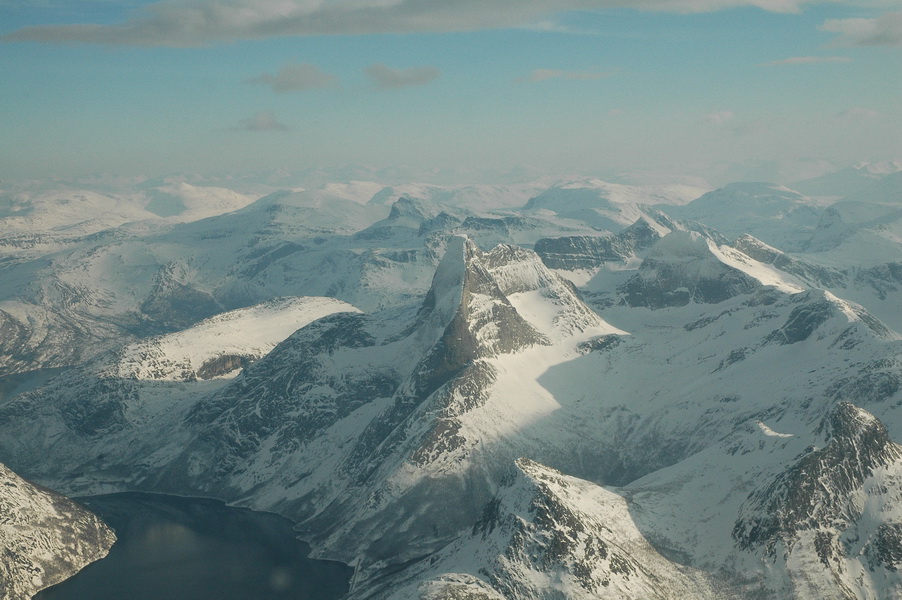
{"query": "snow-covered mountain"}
(155, 276)
(849, 181)
(774, 214)
(505, 403)
(546, 534)
(607, 206)
(66, 211)
(44, 537)
(221, 345)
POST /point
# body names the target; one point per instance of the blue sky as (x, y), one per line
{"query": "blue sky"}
(714, 89)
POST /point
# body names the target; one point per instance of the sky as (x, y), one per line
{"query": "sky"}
(663, 90)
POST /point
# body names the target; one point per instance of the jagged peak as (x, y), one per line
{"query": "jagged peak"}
(687, 266)
(748, 243)
(535, 470)
(517, 269)
(647, 226)
(821, 489)
(817, 308)
(846, 423)
(443, 297)
(556, 532)
(466, 316)
(407, 207)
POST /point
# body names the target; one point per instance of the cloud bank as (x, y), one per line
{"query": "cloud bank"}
(296, 78)
(387, 78)
(264, 121)
(718, 118)
(807, 60)
(544, 74)
(200, 22)
(885, 30)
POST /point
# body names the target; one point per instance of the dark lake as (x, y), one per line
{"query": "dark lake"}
(176, 548)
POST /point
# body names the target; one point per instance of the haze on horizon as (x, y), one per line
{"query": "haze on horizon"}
(716, 90)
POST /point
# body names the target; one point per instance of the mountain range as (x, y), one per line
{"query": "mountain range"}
(582, 390)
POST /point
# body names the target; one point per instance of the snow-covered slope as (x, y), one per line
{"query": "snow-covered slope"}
(64, 211)
(183, 202)
(125, 396)
(156, 276)
(221, 345)
(134, 281)
(44, 537)
(809, 511)
(69, 211)
(545, 535)
(686, 266)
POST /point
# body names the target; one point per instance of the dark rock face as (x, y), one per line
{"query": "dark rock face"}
(883, 279)
(583, 252)
(441, 222)
(173, 305)
(100, 410)
(261, 258)
(291, 392)
(802, 322)
(15, 338)
(88, 407)
(568, 544)
(815, 493)
(662, 284)
(876, 382)
(221, 365)
(885, 548)
(552, 537)
(43, 338)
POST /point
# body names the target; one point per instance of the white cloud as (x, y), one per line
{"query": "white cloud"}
(885, 30)
(200, 22)
(545, 74)
(718, 118)
(387, 78)
(264, 121)
(295, 78)
(807, 60)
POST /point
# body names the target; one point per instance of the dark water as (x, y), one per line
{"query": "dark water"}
(173, 548)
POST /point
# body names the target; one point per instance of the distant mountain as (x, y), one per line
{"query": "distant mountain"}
(862, 230)
(849, 181)
(774, 214)
(607, 206)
